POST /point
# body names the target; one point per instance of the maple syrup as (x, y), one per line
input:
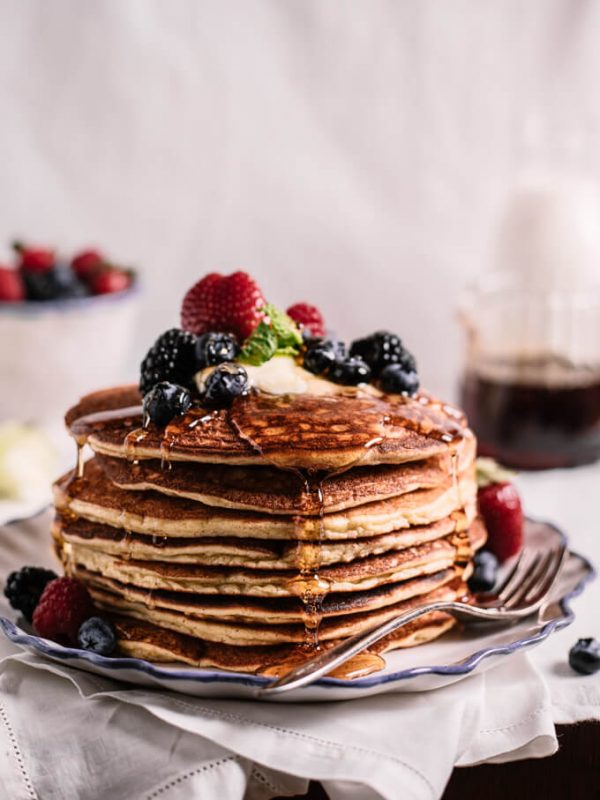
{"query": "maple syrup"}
(535, 414)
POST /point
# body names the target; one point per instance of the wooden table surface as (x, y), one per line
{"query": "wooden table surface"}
(573, 773)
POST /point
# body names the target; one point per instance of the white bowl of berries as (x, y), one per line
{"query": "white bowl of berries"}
(64, 328)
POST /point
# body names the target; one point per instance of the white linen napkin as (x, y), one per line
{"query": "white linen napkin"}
(72, 734)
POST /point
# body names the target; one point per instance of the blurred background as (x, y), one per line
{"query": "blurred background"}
(360, 156)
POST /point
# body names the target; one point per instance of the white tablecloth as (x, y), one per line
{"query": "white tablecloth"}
(68, 734)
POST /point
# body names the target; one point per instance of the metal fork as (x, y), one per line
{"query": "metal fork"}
(522, 593)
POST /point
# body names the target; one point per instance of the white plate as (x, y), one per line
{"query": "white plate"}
(430, 666)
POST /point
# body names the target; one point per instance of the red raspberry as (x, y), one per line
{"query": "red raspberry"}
(65, 603)
(12, 289)
(86, 263)
(500, 507)
(223, 303)
(35, 259)
(308, 317)
(108, 281)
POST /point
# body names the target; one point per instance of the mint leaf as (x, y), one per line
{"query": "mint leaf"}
(287, 332)
(260, 346)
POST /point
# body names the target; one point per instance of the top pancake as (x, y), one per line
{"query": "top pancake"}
(291, 431)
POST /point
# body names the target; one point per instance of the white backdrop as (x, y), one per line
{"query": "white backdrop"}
(352, 153)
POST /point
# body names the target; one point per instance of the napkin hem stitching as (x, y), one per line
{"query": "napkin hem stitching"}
(527, 719)
(17, 752)
(324, 742)
(185, 775)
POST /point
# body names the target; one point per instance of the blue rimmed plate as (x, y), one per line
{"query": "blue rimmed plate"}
(430, 666)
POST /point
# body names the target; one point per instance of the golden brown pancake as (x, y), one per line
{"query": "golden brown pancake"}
(275, 491)
(257, 634)
(290, 431)
(359, 575)
(142, 639)
(237, 551)
(95, 498)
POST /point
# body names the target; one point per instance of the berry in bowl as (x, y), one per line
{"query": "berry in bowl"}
(63, 322)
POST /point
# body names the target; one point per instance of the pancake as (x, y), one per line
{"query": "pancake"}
(359, 575)
(147, 512)
(253, 633)
(276, 491)
(236, 551)
(329, 432)
(231, 608)
(142, 639)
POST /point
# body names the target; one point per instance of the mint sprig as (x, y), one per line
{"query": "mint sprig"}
(278, 336)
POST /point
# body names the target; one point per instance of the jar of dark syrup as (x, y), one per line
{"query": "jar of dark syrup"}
(531, 382)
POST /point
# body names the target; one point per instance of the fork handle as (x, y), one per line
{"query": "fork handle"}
(331, 658)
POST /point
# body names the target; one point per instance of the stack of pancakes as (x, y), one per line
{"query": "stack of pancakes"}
(247, 537)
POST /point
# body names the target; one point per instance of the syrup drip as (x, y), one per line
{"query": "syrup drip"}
(265, 438)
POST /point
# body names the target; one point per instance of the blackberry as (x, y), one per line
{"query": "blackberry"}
(25, 586)
(396, 379)
(165, 401)
(485, 571)
(97, 635)
(380, 349)
(171, 358)
(350, 371)
(226, 382)
(584, 656)
(215, 348)
(321, 354)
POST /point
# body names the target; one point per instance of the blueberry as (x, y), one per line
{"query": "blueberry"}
(25, 586)
(396, 379)
(350, 371)
(216, 348)
(321, 354)
(58, 283)
(98, 636)
(226, 382)
(165, 401)
(584, 657)
(485, 571)
(485, 558)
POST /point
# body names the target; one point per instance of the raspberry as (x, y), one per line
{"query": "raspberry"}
(109, 281)
(34, 259)
(171, 358)
(223, 303)
(12, 289)
(64, 605)
(309, 317)
(87, 263)
(24, 588)
(500, 507)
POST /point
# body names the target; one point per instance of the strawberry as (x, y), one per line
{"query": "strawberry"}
(65, 603)
(309, 317)
(224, 304)
(109, 281)
(500, 506)
(34, 259)
(12, 289)
(87, 263)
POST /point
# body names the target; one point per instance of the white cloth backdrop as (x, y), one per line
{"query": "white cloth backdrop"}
(352, 152)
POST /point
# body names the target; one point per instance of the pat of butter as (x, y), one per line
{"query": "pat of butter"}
(283, 375)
